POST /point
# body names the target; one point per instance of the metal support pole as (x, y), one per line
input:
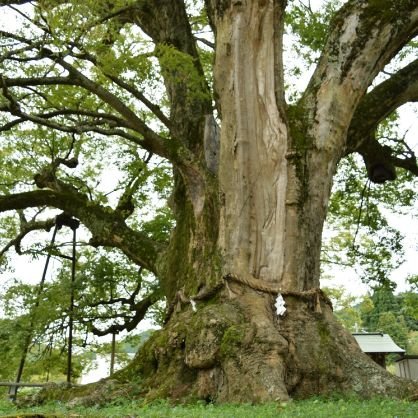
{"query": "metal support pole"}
(26, 345)
(71, 313)
(112, 355)
(60, 221)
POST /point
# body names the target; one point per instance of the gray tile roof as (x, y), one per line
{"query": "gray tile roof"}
(376, 342)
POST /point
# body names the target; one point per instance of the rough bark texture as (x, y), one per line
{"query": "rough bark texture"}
(226, 351)
(275, 177)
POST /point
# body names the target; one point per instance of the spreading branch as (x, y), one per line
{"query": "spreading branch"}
(124, 301)
(107, 226)
(149, 140)
(139, 310)
(25, 229)
(378, 104)
(156, 110)
(358, 48)
(167, 23)
(102, 123)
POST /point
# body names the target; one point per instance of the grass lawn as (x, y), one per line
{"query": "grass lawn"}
(313, 408)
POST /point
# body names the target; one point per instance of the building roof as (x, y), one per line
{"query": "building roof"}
(377, 342)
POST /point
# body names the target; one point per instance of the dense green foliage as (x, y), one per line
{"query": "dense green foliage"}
(382, 311)
(359, 234)
(316, 408)
(105, 293)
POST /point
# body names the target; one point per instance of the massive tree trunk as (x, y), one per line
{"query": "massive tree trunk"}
(251, 230)
(250, 201)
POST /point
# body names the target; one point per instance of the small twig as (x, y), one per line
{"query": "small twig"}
(206, 42)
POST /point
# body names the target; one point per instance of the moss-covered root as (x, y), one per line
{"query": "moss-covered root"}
(324, 358)
(239, 351)
(207, 355)
(93, 394)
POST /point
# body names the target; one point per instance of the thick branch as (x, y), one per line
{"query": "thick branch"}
(381, 102)
(167, 23)
(140, 309)
(363, 38)
(25, 229)
(107, 228)
(380, 157)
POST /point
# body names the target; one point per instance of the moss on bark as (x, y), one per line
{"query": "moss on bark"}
(235, 350)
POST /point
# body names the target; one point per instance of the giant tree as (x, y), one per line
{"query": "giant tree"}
(89, 84)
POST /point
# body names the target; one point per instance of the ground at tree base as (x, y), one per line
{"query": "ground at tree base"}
(207, 354)
(314, 407)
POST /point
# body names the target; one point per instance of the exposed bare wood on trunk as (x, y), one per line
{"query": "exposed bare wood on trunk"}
(253, 142)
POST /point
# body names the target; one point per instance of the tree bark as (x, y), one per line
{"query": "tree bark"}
(269, 203)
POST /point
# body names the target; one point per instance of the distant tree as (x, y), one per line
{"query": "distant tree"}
(12, 333)
(409, 303)
(346, 308)
(395, 326)
(383, 300)
(386, 313)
